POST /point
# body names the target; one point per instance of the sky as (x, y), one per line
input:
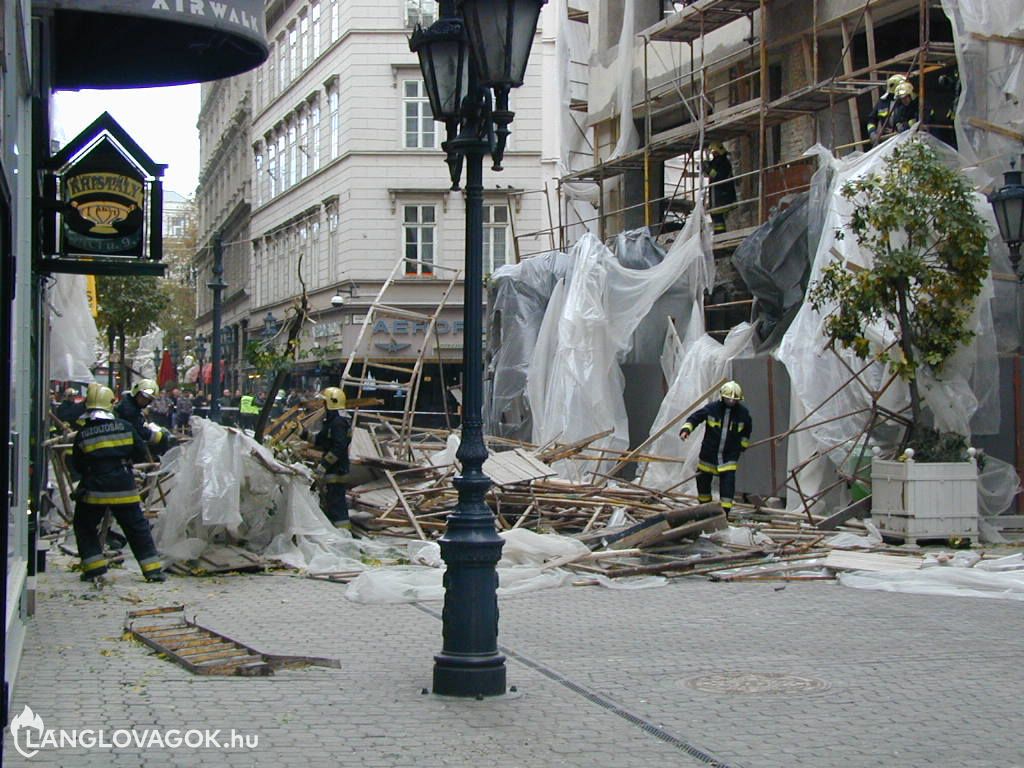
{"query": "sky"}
(161, 120)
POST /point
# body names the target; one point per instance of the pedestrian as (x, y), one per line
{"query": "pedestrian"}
(723, 186)
(248, 411)
(103, 452)
(727, 428)
(131, 408)
(331, 472)
(183, 412)
(879, 120)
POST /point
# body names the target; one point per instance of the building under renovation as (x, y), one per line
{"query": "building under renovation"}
(640, 309)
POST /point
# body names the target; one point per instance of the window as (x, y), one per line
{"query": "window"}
(496, 237)
(332, 99)
(258, 159)
(293, 160)
(314, 134)
(282, 64)
(423, 12)
(316, 31)
(282, 160)
(293, 52)
(258, 96)
(304, 40)
(335, 21)
(303, 144)
(271, 73)
(272, 167)
(419, 225)
(419, 120)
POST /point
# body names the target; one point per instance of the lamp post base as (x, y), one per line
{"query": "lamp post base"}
(456, 675)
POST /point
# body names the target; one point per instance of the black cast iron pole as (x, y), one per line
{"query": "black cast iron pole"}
(217, 285)
(469, 663)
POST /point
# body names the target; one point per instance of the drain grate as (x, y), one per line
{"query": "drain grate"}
(756, 684)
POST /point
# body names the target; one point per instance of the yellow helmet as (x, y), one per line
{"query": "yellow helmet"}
(731, 390)
(145, 387)
(99, 397)
(904, 89)
(717, 147)
(894, 82)
(334, 397)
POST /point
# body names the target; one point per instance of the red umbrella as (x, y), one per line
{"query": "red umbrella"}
(167, 373)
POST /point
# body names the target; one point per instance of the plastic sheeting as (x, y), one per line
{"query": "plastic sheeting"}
(965, 396)
(574, 383)
(142, 360)
(220, 493)
(73, 331)
(519, 571)
(1002, 578)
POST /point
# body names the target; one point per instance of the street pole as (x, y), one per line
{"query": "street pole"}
(110, 357)
(469, 663)
(217, 285)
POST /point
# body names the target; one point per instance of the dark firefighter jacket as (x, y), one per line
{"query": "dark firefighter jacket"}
(129, 410)
(719, 451)
(102, 453)
(333, 439)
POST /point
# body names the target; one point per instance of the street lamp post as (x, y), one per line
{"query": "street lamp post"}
(470, 61)
(157, 359)
(1008, 206)
(200, 354)
(217, 285)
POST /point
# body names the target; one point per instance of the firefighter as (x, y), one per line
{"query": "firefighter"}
(727, 428)
(880, 119)
(332, 471)
(723, 186)
(103, 452)
(131, 409)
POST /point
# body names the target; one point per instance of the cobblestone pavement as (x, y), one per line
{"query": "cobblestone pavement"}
(695, 673)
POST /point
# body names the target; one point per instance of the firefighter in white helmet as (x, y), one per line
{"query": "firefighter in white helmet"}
(132, 408)
(332, 471)
(727, 428)
(103, 452)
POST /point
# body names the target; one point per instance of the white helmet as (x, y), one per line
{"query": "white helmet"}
(731, 390)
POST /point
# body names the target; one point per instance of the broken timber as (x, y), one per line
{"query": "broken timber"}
(204, 652)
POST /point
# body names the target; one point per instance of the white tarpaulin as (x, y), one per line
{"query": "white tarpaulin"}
(575, 384)
(1001, 578)
(72, 330)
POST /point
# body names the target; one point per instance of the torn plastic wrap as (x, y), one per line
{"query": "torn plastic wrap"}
(517, 300)
(520, 570)
(963, 398)
(574, 381)
(1000, 579)
(72, 330)
(219, 492)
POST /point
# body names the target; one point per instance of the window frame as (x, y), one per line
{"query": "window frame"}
(424, 117)
(422, 267)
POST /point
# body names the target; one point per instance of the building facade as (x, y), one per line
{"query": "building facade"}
(224, 205)
(349, 188)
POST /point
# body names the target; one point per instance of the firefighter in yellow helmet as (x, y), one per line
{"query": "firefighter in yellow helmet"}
(332, 471)
(132, 408)
(727, 428)
(103, 452)
(723, 187)
(880, 120)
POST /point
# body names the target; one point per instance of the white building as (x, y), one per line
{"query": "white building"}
(348, 179)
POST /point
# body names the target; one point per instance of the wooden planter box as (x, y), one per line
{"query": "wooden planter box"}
(912, 500)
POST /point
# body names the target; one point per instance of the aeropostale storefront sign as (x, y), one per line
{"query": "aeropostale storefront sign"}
(387, 337)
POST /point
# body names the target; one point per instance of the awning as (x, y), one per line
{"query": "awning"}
(131, 43)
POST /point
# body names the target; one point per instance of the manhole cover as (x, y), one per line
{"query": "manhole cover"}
(759, 683)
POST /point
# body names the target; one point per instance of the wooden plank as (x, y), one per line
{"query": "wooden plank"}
(842, 560)
(859, 508)
(405, 506)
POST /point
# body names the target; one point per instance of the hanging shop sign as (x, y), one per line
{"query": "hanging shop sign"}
(125, 43)
(108, 196)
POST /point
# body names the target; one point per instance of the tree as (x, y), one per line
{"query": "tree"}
(128, 306)
(178, 283)
(917, 218)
